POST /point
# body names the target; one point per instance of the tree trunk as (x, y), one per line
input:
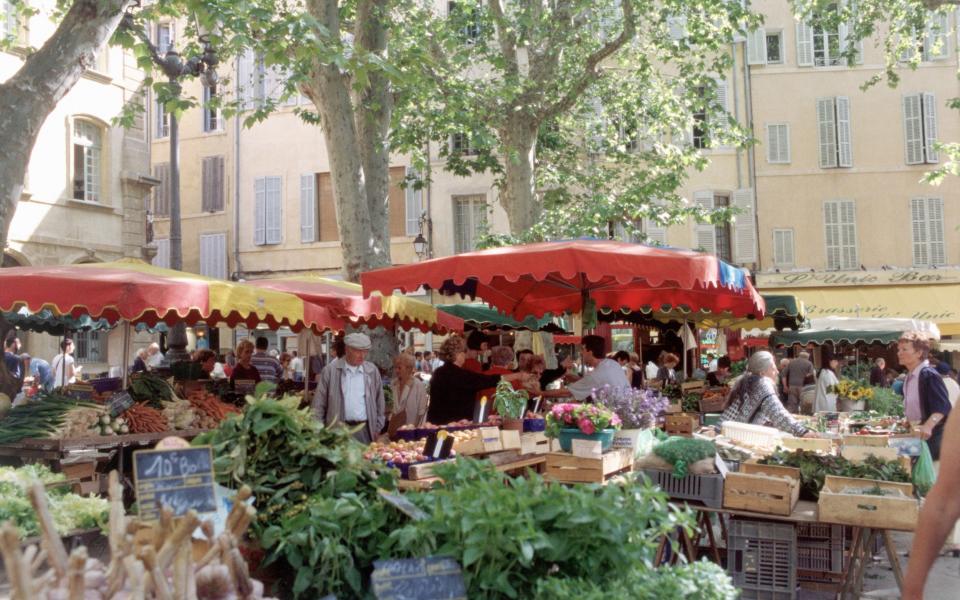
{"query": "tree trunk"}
(518, 194)
(27, 98)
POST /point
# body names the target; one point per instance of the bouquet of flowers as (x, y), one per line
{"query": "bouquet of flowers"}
(588, 418)
(852, 390)
(637, 409)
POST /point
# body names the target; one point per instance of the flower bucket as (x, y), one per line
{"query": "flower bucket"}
(567, 436)
(512, 424)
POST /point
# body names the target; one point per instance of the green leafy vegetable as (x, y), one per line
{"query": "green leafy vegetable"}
(682, 452)
(815, 467)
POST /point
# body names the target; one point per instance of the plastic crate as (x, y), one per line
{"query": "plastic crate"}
(762, 559)
(707, 489)
(820, 531)
(820, 555)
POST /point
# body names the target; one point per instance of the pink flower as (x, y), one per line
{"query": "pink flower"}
(568, 418)
(586, 426)
(615, 420)
(568, 407)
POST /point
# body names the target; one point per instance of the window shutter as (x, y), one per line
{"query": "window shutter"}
(783, 247)
(848, 235)
(414, 203)
(260, 211)
(912, 129)
(919, 228)
(162, 259)
(245, 75)
(831, 222)
(705, 234)
(936, 37)
(206, 184)
(213, 255)
(205, 256)
(308, 209)
(778, 143)
(845, 33)
(938, 255)
(274, 211)
(744, 229)
(930, 128)
(656, 234)
(844, 139)
(677, 26)
(827, 130)
(161, 192)
(757, 47)
(804, 44)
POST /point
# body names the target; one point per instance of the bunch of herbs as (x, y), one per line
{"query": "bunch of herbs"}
(683, 452)
(815, 467)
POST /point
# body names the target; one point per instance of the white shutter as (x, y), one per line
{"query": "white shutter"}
(656, 234)
(705, 234)
(213, 255)
(274, 211)
(804, 44)
(935, 37)
(308, 208)
(831, 223)
(844, 137)
(930, 128)
(938, 254)
(757, 47)
(413, 203)
(783, 247)
(912, 129)
(205, 256)
(778, 143)
(260, 211)
(745, 229)
(245, 76)
(162, 259)
(677, 26)
(273, 83)
(919, 228)
(827, 131)
(848, 234)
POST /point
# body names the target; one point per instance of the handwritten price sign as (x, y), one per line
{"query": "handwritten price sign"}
(181, 478)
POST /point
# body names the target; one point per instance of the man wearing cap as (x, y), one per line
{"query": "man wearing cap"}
(350, 391)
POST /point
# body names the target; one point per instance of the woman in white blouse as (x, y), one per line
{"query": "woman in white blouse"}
(409, 393)
(826, 399)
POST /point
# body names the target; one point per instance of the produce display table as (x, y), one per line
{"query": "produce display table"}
(509, 461)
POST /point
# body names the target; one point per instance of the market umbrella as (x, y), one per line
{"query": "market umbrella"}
(346, 301)
(559, 277)
(133, 291)
(482, 316)
(47, 321)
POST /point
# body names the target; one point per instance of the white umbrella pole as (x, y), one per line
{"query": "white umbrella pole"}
(126, 353)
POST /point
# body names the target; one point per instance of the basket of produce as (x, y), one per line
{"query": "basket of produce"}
(713, 400)
(815, 468)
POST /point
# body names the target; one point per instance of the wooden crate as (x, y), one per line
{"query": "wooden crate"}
(673, 408)
(713, 404)
(79, 470)
(866, 440)
(691, 386)
(425, 470)
(858, 454)
(682, 423)
(510, 439)
(567, 468)
(535, 442)
(767, 489)
(863, 510)
(812, 444)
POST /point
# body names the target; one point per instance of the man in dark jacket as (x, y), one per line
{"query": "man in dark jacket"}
(924, 394)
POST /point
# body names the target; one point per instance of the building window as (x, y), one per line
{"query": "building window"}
(308, 209)
(833, 128)
(783, 248)
(469, 221)
(934, 43)
(840, 225)
(826, 43)
(12, 25)
(212, 181)
(774, 47)
(211, 114)
(927, 227)
(414, 202)
(162, 259)
(162, 120)
(462, 144)
(268, 228)
(162, 192)
(778, 143)
(722, 237)
(87, 164)
(700, 136)
(165, 37)
(91, 346)
(700, 139)
(213, 255)
(821, 43)
(469, 13)
(920, 128)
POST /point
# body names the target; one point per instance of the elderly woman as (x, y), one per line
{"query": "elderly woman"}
(409, 393)
(453, 389)
(754, 398)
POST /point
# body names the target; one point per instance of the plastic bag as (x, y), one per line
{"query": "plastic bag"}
(923, 474)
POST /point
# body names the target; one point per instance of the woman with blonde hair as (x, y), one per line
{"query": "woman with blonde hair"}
(244, 370)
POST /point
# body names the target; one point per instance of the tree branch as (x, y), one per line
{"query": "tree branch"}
(507, 39)
(590, 73)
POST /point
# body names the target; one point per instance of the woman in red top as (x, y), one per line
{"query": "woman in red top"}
(244, 370)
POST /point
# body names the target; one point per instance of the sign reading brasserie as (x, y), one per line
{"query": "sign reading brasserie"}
(769, 281)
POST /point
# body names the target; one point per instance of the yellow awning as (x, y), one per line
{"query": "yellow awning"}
(939, 303)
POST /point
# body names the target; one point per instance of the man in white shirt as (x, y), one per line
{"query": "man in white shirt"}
(296, 365)
(154, 356)
(605, 371)
(350, 391)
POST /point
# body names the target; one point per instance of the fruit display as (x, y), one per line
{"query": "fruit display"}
(396, 452)
(145, 419)
(179, 414)
(873, 423)
(158, 565)
(210, 411)
(41, 418)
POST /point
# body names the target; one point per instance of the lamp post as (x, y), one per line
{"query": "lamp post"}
(421, 245)
(176, 69)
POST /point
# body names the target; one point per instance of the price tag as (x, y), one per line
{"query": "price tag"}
(181, 478)
(480, 412)
(587, 448)
(721, 466)
(439, 445)
(119, 403)
(430, 578)
(491, 439)
(536, 404)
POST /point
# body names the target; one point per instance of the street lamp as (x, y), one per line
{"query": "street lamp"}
(420, 244)
(176, 69)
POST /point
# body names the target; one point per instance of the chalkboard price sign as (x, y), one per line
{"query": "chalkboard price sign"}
(180, 478)
(119, 403)
(431, 578)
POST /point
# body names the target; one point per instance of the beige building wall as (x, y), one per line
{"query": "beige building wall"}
(51, 226)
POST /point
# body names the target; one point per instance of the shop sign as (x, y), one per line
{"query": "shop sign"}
(771, 281)
(430, 578)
